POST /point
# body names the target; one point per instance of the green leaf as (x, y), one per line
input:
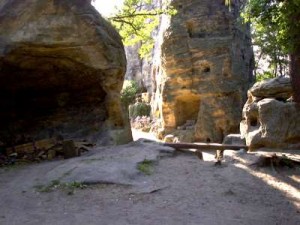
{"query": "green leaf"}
(136, 21)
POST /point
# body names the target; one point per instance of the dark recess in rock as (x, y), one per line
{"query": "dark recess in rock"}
(61, 71)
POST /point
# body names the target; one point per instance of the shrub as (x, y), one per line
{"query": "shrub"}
(129, 91)
(139, 109)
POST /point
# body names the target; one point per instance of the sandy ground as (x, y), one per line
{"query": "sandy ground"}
(188, 191)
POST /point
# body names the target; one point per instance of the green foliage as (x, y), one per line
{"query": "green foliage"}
(139, 109)
(269, 49)
(276, 29)
(265, 37)
(136, 21)
(48, 188)
(265, 76)
(129, 91)
(146, 167)
(56, 185)
(276, 15)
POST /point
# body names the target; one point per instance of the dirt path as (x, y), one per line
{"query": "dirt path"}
(137, 134)
(185, 190)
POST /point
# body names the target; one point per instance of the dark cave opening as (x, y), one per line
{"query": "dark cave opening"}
(48, 95)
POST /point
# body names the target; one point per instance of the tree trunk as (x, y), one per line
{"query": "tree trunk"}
(295, 74)
(295, 54)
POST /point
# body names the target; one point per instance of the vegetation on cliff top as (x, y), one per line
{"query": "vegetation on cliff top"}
(137, 19)
(275, 24)
(277, 33)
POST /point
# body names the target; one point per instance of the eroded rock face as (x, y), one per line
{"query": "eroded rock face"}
(138, 69)
(270, 119)
(61, 70)
(205, 70)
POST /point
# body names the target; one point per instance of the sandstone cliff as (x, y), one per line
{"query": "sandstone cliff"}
(61, 70)
(139, 69)
(203, 72)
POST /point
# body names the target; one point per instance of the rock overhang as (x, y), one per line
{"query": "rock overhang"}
(61, 70)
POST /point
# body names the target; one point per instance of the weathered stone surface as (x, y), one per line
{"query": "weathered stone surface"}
(234, 139)
(271, 122)
(61, 70)
(279, 88)
(118, 164)
(138, 68)
(205, 69)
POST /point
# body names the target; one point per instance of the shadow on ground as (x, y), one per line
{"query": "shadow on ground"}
(180, 189)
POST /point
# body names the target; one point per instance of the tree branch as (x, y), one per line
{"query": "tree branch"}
(135, 15)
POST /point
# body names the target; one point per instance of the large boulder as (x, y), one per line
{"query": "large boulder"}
(279, 88)
(270, 118)
(61, 71)
(205, 69)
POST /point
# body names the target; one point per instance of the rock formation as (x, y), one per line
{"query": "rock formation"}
(204, 71)
(61, 70)
(270, 118)
(138, 69)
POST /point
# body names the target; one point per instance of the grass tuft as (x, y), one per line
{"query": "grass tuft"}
(55, 185)
(146, 167)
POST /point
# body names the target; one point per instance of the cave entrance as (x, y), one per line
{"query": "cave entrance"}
(186, 108)
(41, 93)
